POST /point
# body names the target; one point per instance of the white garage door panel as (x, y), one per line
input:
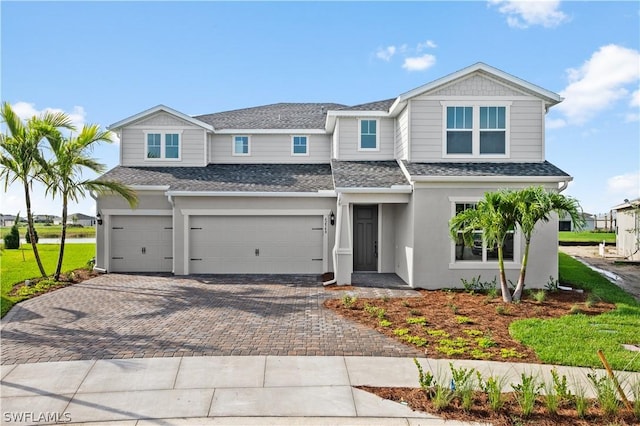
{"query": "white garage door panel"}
(256, 244)
(141, 244)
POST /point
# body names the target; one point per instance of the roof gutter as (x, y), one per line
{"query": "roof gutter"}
(318, 194)
(565, 179)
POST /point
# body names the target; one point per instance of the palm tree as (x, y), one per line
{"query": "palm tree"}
(535, 204)
(63, 177)
(20, 155)
(495, 217)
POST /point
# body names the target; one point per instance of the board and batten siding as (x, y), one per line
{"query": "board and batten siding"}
(402, 135)
(133, 143)
(349, 139)
(269, 148)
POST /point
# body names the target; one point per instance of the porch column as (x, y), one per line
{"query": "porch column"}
(343, 247)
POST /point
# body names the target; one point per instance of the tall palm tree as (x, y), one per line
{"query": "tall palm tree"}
(534, 205)
(63, 177)
(494, 215)
(20, 155)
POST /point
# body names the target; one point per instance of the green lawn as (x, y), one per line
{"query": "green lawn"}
(587, 237)
(54, 231)
(14, 269)
(575, 339)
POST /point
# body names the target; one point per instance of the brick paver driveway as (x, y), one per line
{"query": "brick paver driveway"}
(133, 316)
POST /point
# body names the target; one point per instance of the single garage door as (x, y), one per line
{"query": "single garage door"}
(141, 244)
(255, 244)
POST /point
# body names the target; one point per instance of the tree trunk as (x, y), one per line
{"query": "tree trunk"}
(32, 236)
(63, 237)
(517, 294)
(504, 286)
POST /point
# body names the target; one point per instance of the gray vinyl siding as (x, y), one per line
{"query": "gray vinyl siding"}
(133, 143)
(349, 140)
(526, 130)
(269, 149)
(402, 135)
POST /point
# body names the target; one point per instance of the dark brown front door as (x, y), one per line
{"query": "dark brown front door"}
(365, 238)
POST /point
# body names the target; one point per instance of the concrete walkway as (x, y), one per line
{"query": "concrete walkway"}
(232, 390)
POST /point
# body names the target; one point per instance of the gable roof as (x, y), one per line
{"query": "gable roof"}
(155, 109)
(229, 177)
(274, 116)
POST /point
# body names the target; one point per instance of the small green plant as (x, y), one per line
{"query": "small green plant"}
(405, 304)
(473, 333)
(425, 379)
(416, 340)
(511, 353)
(551, 398)
(526, 393)
(580, 400)
(592, 300)
(605, 391)
(492, 387)
(463, 385)
(449, 347)
(575, 309)
(460, 319)
(552, 285)
(635, 391)
(442, 396)
(502, 310)
(473, 285)
(385, 299)
(385, 323)
(453, 307)
(401, 331)
(12, 239)
(417, 320)
(477, 353)
(415, 312)
(349, 301)
(492, 293)
(560, 385)
(375, 311)
(41, 287)
(485, 342)
(539, 296)
(437, 333)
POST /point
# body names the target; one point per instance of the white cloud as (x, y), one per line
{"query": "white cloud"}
(419, 63)
(635, 99)
(627, 184)
(601, 81)
(386, 53)
(429, 44)
(555, 123)
(26, 110)
(523, 14)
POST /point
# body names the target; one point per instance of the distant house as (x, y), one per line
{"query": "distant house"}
(81, 219)
(47, 218)
(628, 229)
(564, 222)
(7, 220)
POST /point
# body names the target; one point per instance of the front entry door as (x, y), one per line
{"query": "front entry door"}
(365, 238)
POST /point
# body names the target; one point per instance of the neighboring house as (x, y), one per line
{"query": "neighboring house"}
(565, 224)
(323, 187)
(628, 229)
(80, 219)
(7, 220)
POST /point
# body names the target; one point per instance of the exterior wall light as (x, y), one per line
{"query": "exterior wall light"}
(332, 218)
(99, 219)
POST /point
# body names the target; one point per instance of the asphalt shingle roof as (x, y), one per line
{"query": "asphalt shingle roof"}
(372, 106)
(229, 177)
(274, 116)
(470, 169)
(367, 174)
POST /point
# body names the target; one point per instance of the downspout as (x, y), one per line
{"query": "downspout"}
(564, 186)
(334, 252)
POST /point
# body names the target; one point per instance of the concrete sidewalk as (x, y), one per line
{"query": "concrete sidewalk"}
(231, 390)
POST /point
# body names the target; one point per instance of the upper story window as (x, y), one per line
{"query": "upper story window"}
(241, 145)
(476, 131)
(299, 145)
(368, 135)
(160, 146)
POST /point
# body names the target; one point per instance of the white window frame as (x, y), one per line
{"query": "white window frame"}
(359, 132)
(485, 263)
(233, 146)
(298, 154)
(475, 138)
(163, 144)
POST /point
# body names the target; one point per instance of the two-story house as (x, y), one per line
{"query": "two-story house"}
(323, 187)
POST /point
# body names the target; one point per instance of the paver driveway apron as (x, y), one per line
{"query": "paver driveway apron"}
(134, 316)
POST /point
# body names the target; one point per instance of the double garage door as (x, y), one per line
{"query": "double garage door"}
(256, 244)
(220, 244)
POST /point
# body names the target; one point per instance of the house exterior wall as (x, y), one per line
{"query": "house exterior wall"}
(238, 206)
(404, 241)
(628, 223)
(402, 135)
(433, 257)
(269, 148)
(133, 143)
(526, 120)
(349, 135)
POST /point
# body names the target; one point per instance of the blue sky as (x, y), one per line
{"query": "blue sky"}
(105, 61)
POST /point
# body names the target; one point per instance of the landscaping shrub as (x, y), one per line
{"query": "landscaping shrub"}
(28, 236)
(12, 239)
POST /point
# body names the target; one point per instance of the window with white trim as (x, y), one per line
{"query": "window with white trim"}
(162, 146)
(476, 130)
(241, 145)
(478, 250)
(299, 145)
(368, 135)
